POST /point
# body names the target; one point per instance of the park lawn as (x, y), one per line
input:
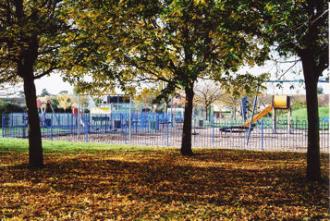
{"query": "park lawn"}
(301, 114)
(20, 145)
(91, 182)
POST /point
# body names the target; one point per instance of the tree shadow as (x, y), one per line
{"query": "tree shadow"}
(164, 181)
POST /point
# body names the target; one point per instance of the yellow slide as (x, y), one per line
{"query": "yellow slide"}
(259, 115)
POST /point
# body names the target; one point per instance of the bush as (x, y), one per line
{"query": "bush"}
(6, 107)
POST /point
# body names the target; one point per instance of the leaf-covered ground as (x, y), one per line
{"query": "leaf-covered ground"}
(154, 184)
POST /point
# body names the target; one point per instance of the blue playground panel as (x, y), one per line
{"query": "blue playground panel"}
(57, 124)
(158, 129)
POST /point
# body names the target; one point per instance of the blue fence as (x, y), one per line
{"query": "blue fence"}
(161, 129)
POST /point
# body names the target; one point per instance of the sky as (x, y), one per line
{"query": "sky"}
(54, 83)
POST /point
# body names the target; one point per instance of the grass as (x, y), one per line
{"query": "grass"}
(21, 145)
(301, 114)
(99, 182)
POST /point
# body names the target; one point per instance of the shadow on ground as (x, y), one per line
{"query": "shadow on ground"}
(163, 185)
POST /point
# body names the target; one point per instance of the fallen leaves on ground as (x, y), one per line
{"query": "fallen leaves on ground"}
(161, 185)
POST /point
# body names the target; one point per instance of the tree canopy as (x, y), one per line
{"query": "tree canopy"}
(301, 28)
(103, 44)
(31, 29)
(176, 42)
(30, 39)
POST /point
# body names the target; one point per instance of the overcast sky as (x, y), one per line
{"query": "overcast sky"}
(54, 84)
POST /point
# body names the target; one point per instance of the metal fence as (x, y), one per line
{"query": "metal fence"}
(161, 129)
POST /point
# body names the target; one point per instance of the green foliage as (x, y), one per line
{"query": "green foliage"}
(319, 90)
(298, 105)
(171, 41)
(6, 107)
(31, 35)
(297, 28)
(147, 96)
(301, 28)
(44, 93)
(128, 42)
(244, 85)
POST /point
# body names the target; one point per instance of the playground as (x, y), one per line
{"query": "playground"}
(260, 126)
(164, 110)
(247, 168)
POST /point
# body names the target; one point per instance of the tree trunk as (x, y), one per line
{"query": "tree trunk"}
(187, 123)
(27, 57)
(313, 149)
(35, 144)
(25, 69)
(206, 112)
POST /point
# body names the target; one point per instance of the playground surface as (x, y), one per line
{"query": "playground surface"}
(160, 130)
(209, 138)
(90, 182)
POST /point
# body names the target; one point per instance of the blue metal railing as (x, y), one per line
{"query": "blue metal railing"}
(158, 129)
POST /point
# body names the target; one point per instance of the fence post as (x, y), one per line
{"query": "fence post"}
(130, 120)
(137, 119)
(121, 122)
(157, 122)
(26, 124)
(212, 127)
(274, 121)
(71, 123)
(51, 127)
(289, 120)
(167, 135)
(12, 125)
(262, 134)
(86, 129)
(148, 122)
(3, 124)
(251, 121)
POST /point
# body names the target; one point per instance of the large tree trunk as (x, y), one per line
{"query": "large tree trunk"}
(187, 123)
(27, 57)
(26, 71)
(313, 149)
(35, 145)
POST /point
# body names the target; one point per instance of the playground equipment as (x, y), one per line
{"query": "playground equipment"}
(78, 123)
(44, 104)
(127, 126)
(177, 114)
(100, 110)
(278, 102)
(115, 114)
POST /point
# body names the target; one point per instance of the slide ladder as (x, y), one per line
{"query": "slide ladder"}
(246, 125)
